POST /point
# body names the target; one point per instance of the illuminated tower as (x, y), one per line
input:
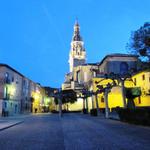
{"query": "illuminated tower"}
(77, 54)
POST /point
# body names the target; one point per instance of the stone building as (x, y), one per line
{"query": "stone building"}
(80, 71)
(18, 94)
(11, 87)
(118, 64)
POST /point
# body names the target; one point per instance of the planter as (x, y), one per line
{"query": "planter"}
(85, 111)
(93, 112)
(136, 116)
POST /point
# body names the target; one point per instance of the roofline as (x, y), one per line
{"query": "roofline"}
(7, 66)
(90, 64)
(141, 71)
(117, 55)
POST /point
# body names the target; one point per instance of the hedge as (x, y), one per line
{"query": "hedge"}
(136, 116)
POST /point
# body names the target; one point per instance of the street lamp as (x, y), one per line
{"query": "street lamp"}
(58, 95)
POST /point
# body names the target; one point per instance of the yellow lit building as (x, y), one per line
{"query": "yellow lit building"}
(36, 106)
(115, 98)
(142, 79)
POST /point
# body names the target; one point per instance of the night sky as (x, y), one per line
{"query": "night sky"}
(35, 35)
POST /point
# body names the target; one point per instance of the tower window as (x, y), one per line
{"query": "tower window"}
(78, 76)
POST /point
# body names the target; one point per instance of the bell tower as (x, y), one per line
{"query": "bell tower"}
(77, 54)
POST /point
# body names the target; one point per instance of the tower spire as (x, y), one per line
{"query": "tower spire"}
(76, 34)
(76, 21)
(77, 54)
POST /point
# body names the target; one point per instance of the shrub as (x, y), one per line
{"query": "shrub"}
(137, 116)
(93, 112)
(85, 111)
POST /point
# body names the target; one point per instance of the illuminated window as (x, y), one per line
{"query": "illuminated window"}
(6, 74)
(143, 77)
(7, 77)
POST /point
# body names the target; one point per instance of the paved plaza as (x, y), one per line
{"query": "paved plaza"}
(73, 132)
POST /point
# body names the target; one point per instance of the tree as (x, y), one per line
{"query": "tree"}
(69, 96)
(132, 93)
(140, 42)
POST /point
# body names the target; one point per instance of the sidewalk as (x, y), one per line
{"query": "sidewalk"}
(7, 122)
(114, 116)
(10, 121)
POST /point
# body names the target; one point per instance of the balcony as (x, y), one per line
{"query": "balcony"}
(76, 85)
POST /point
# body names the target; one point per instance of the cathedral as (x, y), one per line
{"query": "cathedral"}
(80, 71)
(85, 76)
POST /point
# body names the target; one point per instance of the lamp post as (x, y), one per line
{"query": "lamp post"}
(85, 101)
(106, 103)
(58, 95)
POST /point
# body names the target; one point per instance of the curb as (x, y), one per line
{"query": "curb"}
(11, 125)
(114, 119)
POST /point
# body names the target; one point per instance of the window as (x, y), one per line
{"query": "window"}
(94, 73)
(85, 76)
(123, 68)
(143, 77)
(12, 79)
(7, 77)
(78, 76)
(134, 81)
(6, 74)
(5, 104)
(26, 106)
(102, 99)
(139, 98)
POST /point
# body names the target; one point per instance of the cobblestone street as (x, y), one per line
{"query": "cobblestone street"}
(74, 132)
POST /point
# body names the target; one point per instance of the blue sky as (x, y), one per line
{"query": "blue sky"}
(35, 35)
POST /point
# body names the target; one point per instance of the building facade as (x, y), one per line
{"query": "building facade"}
(85, 75)
(142, 80)
(118, 64)
(18, 94)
